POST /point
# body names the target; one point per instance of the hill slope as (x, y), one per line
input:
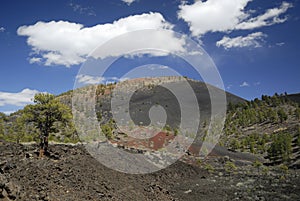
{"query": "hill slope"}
(294, 97)
(260, 143)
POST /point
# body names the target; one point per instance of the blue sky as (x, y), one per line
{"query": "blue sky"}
(255, 44)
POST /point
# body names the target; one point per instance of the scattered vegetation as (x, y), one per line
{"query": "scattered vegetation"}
(257, 164)
(244, 120)
(284, 169)
(209, 168)
(230, 167)
(108, 128)
(281, 147)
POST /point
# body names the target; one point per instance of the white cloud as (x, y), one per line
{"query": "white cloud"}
(244, 84)
(157, 67)
(9, 112)
(251, 40)
(152, 42)
(17, 99)
(227, 15)
(2, 29)
(213, 15)
(67, 43)
(35, 60)
(280, 44)
(88, 79)
(270, 17)
(229, 86)
(128, 2)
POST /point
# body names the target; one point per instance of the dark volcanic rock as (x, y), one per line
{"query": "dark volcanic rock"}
(74, 175)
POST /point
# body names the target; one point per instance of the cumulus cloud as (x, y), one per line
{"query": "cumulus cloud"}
(2, 29)
(138, 43)
(244, 84)
(67, 43)
(251, 40)
(17, 99)
(227, 15)
(128, 2)
(213, 15)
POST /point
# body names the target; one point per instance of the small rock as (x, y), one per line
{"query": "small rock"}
(28, 155)
(3, 181)
(4, 193)
(188, 191)
(250, 181)
(2, 163)
(240, 184)
(9, 166)
(12, 190)
(226, 158)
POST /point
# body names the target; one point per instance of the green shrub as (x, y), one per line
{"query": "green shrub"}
(209, 168)
(107, 130)
(230, 167)
(257, 164)
(281, 146)
(284, 168)
(265, 170)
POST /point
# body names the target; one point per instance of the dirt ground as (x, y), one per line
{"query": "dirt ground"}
(69, 173)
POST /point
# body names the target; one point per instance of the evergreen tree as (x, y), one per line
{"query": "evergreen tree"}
(281, 147)
(43, 114)
(282, 115)
(2, 121)
(297, 113)
(17, 130)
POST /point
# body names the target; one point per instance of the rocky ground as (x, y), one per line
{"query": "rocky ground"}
(70, 173)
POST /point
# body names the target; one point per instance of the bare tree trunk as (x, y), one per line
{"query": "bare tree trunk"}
(43, 145)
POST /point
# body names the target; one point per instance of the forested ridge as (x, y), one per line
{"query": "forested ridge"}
(269, 126)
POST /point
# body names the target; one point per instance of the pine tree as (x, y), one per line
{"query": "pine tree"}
(43, 114)
(297, 113)
(281, 146)
(2, 121)
(282, 115)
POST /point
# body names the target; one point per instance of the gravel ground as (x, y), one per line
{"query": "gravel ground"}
(70, 173)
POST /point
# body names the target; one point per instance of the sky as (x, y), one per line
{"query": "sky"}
(254, 44)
